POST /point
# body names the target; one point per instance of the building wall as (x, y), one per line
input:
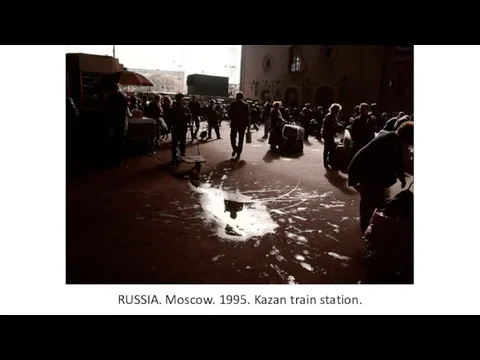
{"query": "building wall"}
(353, 74)
(165, 80)
(99, 64)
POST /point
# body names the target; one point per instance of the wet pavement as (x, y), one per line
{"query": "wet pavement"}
(265, 219)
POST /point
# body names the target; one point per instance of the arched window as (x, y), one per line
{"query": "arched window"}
(295, 59)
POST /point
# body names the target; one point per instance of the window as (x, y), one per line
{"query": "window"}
(295, 59)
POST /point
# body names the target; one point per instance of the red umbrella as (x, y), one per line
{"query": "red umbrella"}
(131, 78)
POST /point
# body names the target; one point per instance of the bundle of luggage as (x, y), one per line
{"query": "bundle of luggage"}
(292, 138)
(390, 235)
(339, 159)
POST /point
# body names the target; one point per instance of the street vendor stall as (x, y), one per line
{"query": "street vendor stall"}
(141, 130)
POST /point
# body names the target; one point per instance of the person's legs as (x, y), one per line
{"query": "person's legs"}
(328, 147)
(210, 126)
(233, 140)
(175, 140)
(241, 137)
(197, 127)
(267, 126)
(183, 142)
(217, 132)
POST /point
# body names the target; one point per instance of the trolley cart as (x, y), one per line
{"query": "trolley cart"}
(195, 159)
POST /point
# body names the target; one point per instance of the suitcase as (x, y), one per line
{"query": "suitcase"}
(339, 158)
(291, 145)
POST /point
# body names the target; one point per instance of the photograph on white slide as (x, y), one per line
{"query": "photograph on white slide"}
(239, 164)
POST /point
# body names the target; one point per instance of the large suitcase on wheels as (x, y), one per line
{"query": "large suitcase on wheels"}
(292, 138)
(291, 145)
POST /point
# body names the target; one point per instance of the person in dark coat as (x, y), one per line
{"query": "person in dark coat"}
(118, 105)
(195, 109)
(180, 118)
(133, 103)
(255, 117)
(319, 116)
(154, 111)
(305, 116)
(267, 109)
(400, 121)
(390, 124)
(166, 106)
(362, 130)
(277, 122)
(377, 166)
(212, 116)
(239, 122)
(329, 129)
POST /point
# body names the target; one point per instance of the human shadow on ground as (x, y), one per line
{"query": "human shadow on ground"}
(339, 181)
(271, 156)
(223, 168)
(262, 139)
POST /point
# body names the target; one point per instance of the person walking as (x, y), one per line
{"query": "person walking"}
(239, 122)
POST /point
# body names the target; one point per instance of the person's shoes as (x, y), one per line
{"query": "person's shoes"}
(234, 153)
(219, 138)
(237, 157)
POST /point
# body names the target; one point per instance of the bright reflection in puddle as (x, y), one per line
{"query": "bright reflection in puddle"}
(236, 216)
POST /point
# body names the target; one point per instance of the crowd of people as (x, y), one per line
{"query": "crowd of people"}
(376, 148)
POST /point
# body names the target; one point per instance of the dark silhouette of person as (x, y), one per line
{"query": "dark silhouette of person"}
(277, 122)
(195, 109)
(212, 116)
(154, 111)
(377, 166)
(319, 116)
(118, 105)
(329, 129)
(362, 130)
(239, 122)
(305, 117)
(180, 118)
(255, 117)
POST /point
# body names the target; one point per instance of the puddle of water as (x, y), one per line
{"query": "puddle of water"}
(235, 216)
(339, 257)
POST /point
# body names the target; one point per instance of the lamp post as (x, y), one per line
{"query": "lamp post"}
(114, 51)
